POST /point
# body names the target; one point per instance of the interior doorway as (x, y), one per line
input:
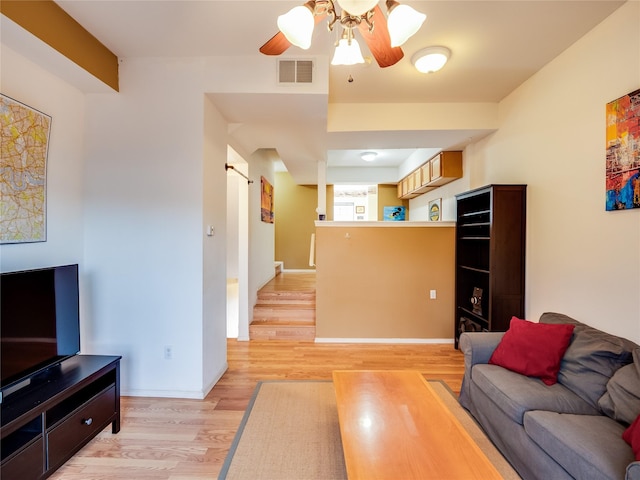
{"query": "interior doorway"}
(237, 248)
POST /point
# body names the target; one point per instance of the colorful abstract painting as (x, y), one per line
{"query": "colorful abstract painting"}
(266, 201)
(623, 152)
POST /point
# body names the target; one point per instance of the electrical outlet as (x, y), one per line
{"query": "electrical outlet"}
(168, 352)
(432, 294)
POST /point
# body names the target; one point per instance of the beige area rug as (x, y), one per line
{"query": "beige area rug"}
(290, 431)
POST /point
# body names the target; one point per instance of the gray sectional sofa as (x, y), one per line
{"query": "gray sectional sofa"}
(572, 429)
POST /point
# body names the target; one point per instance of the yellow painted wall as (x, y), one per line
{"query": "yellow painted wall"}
(374, 281)
(295, 214)
(388, 197)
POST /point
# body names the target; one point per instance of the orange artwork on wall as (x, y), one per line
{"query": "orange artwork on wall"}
(266, 201)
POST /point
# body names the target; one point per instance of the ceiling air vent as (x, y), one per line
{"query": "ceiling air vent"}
(295, 71)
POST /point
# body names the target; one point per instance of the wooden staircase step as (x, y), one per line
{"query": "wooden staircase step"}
(291, 312)
(282, 331)
(282, 321)
(286, 296)
(302, 302)
(286, 309)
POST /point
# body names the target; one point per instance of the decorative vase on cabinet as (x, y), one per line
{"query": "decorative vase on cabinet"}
(490, 258)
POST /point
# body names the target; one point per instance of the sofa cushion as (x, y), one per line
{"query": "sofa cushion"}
(632, 436)
(621, 401)
(516, 394)
(586, 446)
(592, 358)
(533, 349)
(633, 471)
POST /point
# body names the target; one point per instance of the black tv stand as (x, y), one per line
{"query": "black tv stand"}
(46, 422)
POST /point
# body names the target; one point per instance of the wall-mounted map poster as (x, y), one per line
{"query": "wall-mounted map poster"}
(623, 152)
(24, 140)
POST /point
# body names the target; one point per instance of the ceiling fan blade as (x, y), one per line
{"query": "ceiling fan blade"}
(278, 44)
(379, 41)
(275, 45)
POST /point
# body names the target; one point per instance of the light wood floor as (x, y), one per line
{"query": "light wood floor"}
(189, 439)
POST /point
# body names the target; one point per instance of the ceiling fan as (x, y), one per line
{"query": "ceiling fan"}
(383, 36)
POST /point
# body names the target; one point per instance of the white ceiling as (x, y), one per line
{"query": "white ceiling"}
(496, 46)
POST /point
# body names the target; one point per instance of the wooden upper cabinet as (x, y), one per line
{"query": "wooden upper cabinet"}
(439, 170)
(426, 173)
(445, 167)
(407, 186)
(417, 179)
(436, 167)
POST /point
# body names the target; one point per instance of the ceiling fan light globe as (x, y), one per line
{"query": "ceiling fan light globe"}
(357, 7)
(403, 22)
(297, 26)
(347, 54)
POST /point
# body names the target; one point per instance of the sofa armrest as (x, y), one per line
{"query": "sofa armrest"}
(633, 471)
(477, 348)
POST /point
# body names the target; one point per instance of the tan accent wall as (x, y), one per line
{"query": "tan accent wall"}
(295, 214)
(330, 202)
(388, 197)
(51, 24)
(374, 281)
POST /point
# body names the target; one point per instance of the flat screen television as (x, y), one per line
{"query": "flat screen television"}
(39, 322)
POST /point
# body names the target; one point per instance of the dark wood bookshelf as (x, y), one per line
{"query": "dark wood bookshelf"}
(490, 255)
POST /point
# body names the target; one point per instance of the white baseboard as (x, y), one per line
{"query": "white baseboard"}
(218, 375)
(385, 340)
(191, 394)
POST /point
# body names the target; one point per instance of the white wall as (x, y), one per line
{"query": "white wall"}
(134, 178)
(419, 206)
(233, 217)
(214, 285)
(26, 82)
(581, 260)
(262, 234)
(237, 246)
(145, 226)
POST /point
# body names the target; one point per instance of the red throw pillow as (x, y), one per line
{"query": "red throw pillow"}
(632, 436)
(533, 349)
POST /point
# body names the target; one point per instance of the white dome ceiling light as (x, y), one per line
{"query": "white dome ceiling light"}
(368, 156)
(430, 59)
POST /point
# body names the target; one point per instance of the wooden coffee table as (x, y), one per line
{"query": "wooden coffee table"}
(394, 426)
